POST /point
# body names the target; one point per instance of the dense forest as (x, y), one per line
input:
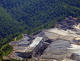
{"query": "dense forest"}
(29, 16)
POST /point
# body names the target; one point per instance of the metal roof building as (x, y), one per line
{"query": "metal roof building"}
(35, 42)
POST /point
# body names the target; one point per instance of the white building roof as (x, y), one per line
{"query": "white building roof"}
(35, 42)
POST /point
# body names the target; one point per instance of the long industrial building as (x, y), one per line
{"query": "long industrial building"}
(34, 43)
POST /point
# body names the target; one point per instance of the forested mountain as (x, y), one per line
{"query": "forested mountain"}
(7, 26)
(28, 16)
